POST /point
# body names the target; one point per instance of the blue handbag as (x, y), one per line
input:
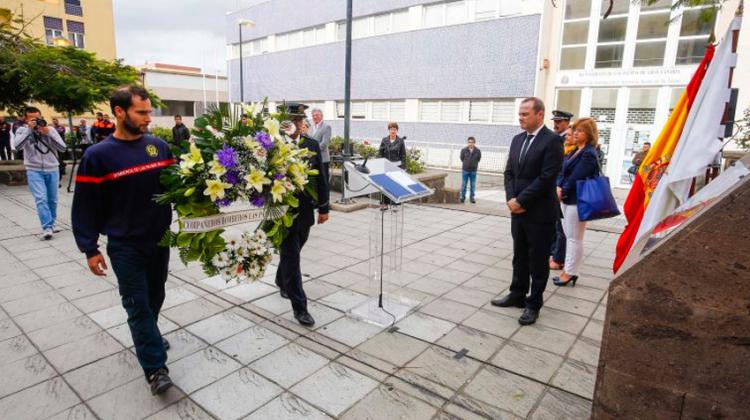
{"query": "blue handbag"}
(595, 199)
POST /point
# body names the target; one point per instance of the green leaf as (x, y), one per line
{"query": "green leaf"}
(183, 239)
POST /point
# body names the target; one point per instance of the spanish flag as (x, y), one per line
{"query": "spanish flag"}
(656, 162)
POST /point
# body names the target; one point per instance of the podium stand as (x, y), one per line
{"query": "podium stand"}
(390, 186)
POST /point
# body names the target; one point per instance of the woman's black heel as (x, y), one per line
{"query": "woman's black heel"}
(572, 281)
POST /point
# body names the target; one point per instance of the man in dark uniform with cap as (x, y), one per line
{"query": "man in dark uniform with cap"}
(289, 274)
(561, 125)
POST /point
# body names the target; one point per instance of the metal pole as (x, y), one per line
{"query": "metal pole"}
(242, 82)
(348, 79)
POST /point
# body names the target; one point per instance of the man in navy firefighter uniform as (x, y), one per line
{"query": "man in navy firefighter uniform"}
(289, 274)
(115, 186)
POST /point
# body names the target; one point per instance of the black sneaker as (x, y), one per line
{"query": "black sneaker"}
(159, 381)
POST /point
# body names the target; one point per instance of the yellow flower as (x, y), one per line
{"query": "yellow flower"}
(192, 158)
(256, 180)
(299, 174)
(215, 189)
(216, 168)
(185, 168)
(251, 144)
(272, 126)
(278, 190)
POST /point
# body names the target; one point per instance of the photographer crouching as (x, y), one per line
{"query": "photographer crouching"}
(40, 146)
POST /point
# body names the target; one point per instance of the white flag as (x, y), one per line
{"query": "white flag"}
(701, 138)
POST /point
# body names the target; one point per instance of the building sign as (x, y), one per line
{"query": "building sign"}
(679, 76)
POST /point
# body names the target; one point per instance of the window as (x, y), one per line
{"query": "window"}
(295, 39)
(320, 34)
(434, 15)
(657, 5)
(400, 20)
(575, 9)
(503, 111)
(619, 7)
(653, 26)
(341, 31)
(697, 22)
(282, 42)
(691, 51)
(380, 110)
(603, 104)
(397, 110)
(382, 24)
(569, 100)
(450, 111)
(575, 32)
(479, 111)
(359, 109)
(75, 33)
(652, 39)
(455, 12)
(429, 110)
(361, 28)
(73, 7)
(572, 58)
(613, 29)
(53, 29)
(184, 108)
(609, 56)
(308, 37)
(485, 9)
(649, 54)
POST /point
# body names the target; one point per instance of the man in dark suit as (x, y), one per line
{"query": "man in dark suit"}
(534, 161)
(289, 274)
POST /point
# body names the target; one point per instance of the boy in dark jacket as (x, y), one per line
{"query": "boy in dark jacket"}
(470, 157)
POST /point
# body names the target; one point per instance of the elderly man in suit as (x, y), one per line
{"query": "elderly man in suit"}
(534, 161)
(321, 132)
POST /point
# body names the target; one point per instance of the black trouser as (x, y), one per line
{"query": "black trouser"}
(5, 150)
(327, 171)
(531, 244)
(289, 273)
(141, 270)
(558, 245)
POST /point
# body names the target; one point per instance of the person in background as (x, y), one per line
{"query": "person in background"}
(60, 128)
(579, 165)
(180, 132)
(41, 144)
(244, 120)
(639, 156)
(321, 132)
(392, 147)
(5, 149)
(470, 157)
(85, 132)
(561, 124)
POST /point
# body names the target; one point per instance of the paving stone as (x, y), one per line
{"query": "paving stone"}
(132, 401)
(65, 332)
(185, 409)
(432, 286)
(318, 289)
(349, 331)
(287, 407)
(110, 317)
(218, 283)
(23, 290)
(247, 292)
(105, 374)
(576, 377)
(334, 388)
(24, 373)
(502, 389)
(40, 401)
(193, 311)
(85, 288)
(388, 403)
(441, 367)
(585, 350)
(273, 303)
(479, 344)
(33, 303)
(323, 315)
(481, 410)
(122, 332)
(36, 320)
(82, 351)
(177, 296)
(251, 344)
(487, 285)
(79, 412)
(469, 296)
(561, 320)
(237, 394)
(8, 329)
(219, 326)
(448, 310)
(201, 368)
(594, 330)
(545, 338)
(425, 327)
(343, 300)
(557, 404)
(395, 348)
(571, 304)
(15, 348)
(492, 323)
(528, 361)
(98, 301)
(183, 344)
(289, 364)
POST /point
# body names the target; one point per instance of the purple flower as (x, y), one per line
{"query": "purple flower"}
(232, 177)
(278, 176)
(227, 157)
(258, 201)
(224, 202)
(264, 139)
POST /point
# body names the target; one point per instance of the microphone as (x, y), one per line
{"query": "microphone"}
(362, 168)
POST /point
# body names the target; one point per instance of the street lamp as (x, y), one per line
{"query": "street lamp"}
(240, 24)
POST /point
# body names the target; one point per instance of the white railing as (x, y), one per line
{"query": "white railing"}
(447, 155)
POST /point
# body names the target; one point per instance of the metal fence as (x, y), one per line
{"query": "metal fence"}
(447, 155)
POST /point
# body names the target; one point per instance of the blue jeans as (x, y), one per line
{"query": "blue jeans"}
(141, 270)
(43, 186)
(471, 177)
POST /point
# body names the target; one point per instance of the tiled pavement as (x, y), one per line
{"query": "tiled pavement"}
(237, 353)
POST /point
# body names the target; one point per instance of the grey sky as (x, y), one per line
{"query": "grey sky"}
(184, 32)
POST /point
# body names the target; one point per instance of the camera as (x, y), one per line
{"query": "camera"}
(41, 122)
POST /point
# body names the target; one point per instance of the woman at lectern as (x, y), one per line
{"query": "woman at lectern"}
(392, 147)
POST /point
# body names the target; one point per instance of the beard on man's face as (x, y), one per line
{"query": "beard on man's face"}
(130, 127)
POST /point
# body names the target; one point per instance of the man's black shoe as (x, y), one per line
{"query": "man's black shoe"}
(304, 318)
(283, 294)
(473, 201)
(166, 343)
(508, 302)
(159, 381)
(528, 317)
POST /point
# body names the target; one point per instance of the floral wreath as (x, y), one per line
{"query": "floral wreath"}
(227, 162)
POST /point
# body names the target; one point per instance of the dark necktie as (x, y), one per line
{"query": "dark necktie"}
(525, 147)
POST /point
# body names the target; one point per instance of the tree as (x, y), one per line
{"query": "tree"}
(14, 42)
